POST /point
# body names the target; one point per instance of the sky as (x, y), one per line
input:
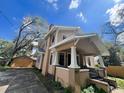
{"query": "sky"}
(90, 15)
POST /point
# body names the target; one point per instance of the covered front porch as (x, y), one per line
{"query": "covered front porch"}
(78, 52)
(72, 59)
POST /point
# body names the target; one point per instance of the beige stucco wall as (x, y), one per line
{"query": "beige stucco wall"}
(46, 58)
(84, 76)
(62, 75)
(51, 69)
(66, 33)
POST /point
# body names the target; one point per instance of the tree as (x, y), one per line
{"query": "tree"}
(31, 29)
(114, 31)
(5, 51)
(114, 56)
(116, 53)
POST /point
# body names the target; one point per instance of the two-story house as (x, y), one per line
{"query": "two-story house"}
(70, 56)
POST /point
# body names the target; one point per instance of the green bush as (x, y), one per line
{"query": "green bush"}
(67, 90)
(92, 89)
(57, 85)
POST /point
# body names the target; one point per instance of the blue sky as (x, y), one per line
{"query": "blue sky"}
(90, 15)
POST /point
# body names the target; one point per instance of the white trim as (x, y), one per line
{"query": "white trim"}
(70, 39)
(61, 28)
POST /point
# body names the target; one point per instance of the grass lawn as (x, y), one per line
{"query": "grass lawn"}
(120, 82)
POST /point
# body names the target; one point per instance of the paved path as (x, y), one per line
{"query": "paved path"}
(118, 91)
(20, 81)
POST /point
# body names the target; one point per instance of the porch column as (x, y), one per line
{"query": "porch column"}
(55, 61)
(73, 58)
(100, 60)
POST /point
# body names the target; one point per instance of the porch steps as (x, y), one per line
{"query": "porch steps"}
(94, 75)
(101, 83)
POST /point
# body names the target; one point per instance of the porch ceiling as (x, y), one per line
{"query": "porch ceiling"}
(92, 45)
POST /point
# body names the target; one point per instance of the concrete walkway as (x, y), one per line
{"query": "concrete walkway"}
(118, 91)
(20, 81)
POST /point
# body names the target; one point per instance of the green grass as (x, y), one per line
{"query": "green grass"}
(120, 82)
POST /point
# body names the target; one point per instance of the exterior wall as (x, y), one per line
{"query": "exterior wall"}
(117, 71)
(66, 33)
(51, 69)
(46, 58)
(84, 76)
(62, 75)
(39, 61)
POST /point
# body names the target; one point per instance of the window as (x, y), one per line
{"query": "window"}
(61, 59)
(69, 59)
(51, 57)
(64, 37)
(53, 39)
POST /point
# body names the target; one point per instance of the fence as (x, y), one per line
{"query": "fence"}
(116, 71)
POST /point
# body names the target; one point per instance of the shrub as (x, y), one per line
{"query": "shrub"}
(92, 89)
(67, 90)
(57, 85)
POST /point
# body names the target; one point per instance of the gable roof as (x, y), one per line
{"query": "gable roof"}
(57, 28)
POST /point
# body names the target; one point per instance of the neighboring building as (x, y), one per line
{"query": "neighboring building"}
(72, 57)
(23, 62)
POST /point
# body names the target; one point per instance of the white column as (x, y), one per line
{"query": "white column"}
(55, 60)
(101, 61)
(73, 58)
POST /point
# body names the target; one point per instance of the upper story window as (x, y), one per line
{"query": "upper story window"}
(64, 37)
(51, 58)
(52, 39)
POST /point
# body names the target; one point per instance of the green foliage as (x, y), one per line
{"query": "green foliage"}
(5, 51)
(116, 54)
(114, 57)
(92, 89)
(57, 85)
(97, 65)
(119, 81)
(67, 90)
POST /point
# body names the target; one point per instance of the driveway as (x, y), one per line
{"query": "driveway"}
(20, 81)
